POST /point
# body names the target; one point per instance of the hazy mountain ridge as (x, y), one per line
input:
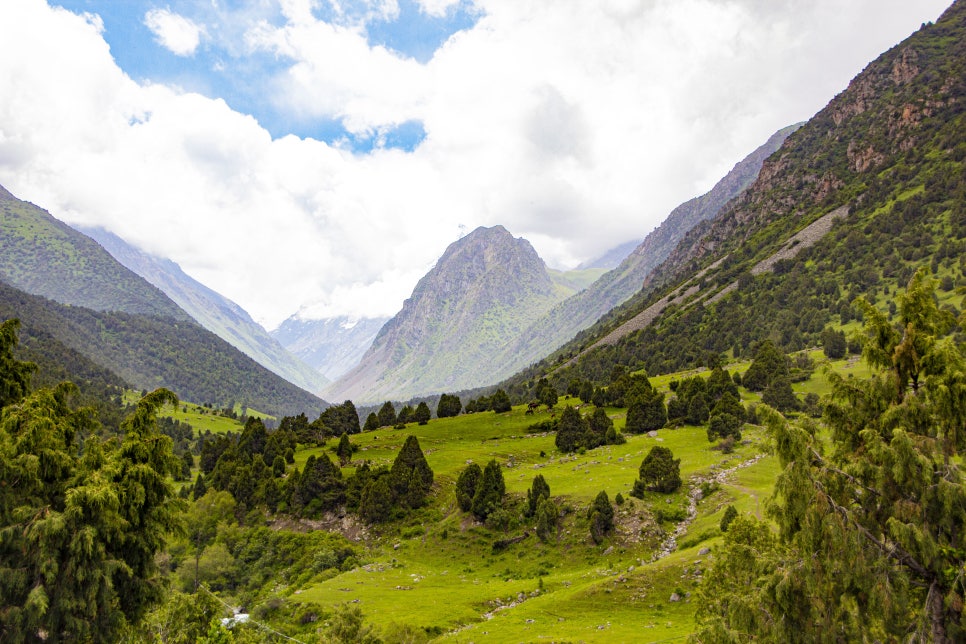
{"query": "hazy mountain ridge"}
(567, 319)
(332, 346)
(486, 287)
(890, 151)
(41, 255)
(218, 314)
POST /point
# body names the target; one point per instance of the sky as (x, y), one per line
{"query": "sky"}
(316, 157)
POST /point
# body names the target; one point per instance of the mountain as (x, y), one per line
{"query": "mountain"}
(870, 189)
(581, 310)
(213, 311)
(332, 346)
(63, 285)
(149, 352)
(486, 287)
(44, 256)
(612, 258)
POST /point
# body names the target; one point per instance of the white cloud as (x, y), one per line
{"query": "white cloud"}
(576, 125)
(436, 8)
(175, 33)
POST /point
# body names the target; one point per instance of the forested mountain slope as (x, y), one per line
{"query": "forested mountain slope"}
(213, 311)
(44, 256)
(149, 352)
(889, 151)
(581, 310)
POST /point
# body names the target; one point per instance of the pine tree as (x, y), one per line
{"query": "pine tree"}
(601, 515)
(387, 415)
(572, 431)
(344, 450)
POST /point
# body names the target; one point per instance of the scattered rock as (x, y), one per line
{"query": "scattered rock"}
(652, 433)
(704, 551)
(675, 597)
(609, 550)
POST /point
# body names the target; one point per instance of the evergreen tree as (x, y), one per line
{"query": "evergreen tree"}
(372, 422)
(659, 472)
(547, 516)
(489, 492)
(466, 484)
(376, 503)
(80, 530)
(405, 415)
(724, 426)
(500, 402)
(698, 411)
(600, 426)
(601, 515)
(769, 363)
(344, 450)
(14, 374)
(779, 394)
(410, 477)
(538, 490)
(834, 344)
(449, 406)
(422, 413)
(730, 515)
(646, 413)
(387, 415)
(872, 527)
(572, 431)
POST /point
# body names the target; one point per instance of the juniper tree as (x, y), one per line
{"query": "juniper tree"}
(490, 491)
(466, 485)
(539, 489)
(871, 537)
(659, 472)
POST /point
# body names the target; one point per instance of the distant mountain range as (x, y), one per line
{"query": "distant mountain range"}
(63, 285)
(332, 346)
(490, 306)
(213, 311)
(485, 289)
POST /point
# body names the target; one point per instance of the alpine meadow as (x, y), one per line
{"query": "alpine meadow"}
(749, 428)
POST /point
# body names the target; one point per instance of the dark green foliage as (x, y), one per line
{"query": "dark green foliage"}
(547, 516)
(874, 517)
(646, 413)
(422, 414)
(278, 466)
(769, 364)
(601, 516)
(386, 415)
(539, 490)
(489, 492)
(410, 477)
(724, 425)
(320, 487)
(730, 515)
(14, 374)
(466, 484)
(199, 488)
(405, 415)
(659, 472)
(834, 344)
(340, 419)
(698, 411)
(145, 351)
(546, 393)
(572, 430)
(449, 405)
(375, 506)
(81, 532)
(344, 450)
(372, 422)
(500, 402)
(779, 395)
(601, 427)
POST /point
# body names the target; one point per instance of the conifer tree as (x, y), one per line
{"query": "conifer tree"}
(422, 413)
(490, 491)
(410, 477)
(872, 527)
(466, 485)
(539, 489)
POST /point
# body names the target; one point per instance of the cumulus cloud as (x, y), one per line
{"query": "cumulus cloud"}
(576, 125)
(175, 33)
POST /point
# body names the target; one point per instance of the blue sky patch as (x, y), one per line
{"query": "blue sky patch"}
(242, 79)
